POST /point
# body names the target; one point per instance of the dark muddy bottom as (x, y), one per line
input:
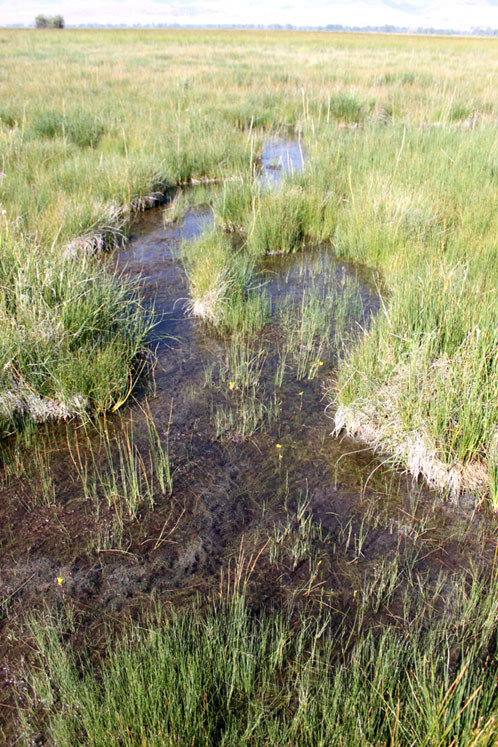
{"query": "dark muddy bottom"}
(298, 512)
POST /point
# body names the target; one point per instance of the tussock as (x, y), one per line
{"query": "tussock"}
(208, 307)
(69, 335)
(108, 233)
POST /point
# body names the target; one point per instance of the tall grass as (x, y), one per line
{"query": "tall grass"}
(218, 276)
(277, 226)
(421, 382)
(236, 199)
(71, 334)
(225, 676)
(435, 378)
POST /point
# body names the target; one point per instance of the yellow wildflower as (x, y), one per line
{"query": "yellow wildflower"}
(60, 580)
(231, 385)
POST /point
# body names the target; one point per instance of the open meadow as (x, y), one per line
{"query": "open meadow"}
(248, 388)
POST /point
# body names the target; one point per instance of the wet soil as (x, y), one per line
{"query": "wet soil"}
(294, 510)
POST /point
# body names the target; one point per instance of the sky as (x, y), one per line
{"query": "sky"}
(444, 14)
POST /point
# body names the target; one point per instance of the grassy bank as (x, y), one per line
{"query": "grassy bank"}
(102, 136)
(422, 385)
(72, 335)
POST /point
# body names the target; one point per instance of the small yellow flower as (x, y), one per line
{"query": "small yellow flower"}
(278, 446)
(320, 363)
(300, 394)
(60, 580)
(231, 385)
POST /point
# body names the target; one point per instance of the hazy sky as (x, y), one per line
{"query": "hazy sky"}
(457, 14)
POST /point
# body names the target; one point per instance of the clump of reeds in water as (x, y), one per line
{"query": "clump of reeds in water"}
(222, 288)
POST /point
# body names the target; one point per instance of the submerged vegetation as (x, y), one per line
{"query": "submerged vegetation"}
(351, 270)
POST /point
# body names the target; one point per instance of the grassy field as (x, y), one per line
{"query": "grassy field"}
(400, 176)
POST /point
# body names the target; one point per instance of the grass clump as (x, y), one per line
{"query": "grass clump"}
(345, 108)
(420, 383)
(222, 287)
(78, 127)
(217, 276)
(236, 200)
(278, 225)
(459, 111)
(70, 335)
(248, 311)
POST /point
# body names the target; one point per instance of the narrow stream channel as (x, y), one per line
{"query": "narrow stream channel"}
(316, 512)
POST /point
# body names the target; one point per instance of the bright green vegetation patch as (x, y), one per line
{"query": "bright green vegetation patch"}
(220, 277)
(70, 335)
(423, 383)
(278, 223)
(78, 128)
(235, 201)
(224, 676)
